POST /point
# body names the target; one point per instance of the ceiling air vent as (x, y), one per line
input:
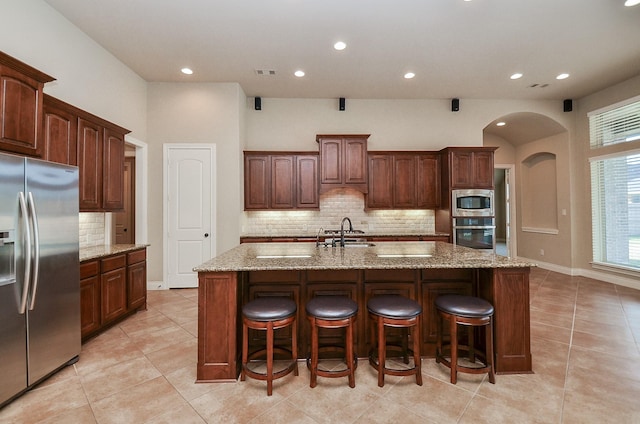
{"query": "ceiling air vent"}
(538, 85)
(265, 72)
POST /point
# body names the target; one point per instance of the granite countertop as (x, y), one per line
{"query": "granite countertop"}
(382, 255)
(97, 252)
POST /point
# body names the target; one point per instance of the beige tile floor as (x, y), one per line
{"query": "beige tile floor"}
(585, 338)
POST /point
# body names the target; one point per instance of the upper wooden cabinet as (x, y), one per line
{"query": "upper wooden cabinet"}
(60, 132)
(343, 161)
(469, 167)
(280, 180)
(21, 107)
(403, 180)
(100, 163)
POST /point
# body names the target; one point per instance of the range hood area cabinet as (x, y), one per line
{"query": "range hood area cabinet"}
(343, 161)
(280, 180)
(21, 91)
(403, 180)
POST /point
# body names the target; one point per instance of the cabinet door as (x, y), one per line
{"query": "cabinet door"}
(60, 134)
(113, 171)
(428, 181)
(113, 291)
(380, 191)
(331, 161)
(483, 169)
(20, 113)
(256, 181)
(355, 161)
(89, 305)
(282, 182)
(462, 169)
(404, 181)
(307, 196)
(136, 285)
(90, 165)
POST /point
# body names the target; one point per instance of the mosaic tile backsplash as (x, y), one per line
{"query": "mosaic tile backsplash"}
(91, 229)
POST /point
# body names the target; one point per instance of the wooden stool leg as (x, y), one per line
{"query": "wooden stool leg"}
(245, 350)
(382, 352)
(472, 350)
(489, 337)
(269, 359)
(349, 357)
(454, 349)
(314, 354)
(294, 345)
(417, 361)
(438, 337)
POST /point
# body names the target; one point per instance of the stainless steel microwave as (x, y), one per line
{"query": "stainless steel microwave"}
(472, 202)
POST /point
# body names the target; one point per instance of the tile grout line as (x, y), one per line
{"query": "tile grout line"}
(566, 373)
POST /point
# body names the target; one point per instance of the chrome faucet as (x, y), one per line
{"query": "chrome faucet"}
(318, 237)
(342, 229)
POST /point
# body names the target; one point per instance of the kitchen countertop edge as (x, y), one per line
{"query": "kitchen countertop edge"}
(98, 252)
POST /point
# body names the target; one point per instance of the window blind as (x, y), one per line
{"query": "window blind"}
(615, 185)
(619, 124)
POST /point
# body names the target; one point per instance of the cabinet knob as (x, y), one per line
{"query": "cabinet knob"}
(206, 235)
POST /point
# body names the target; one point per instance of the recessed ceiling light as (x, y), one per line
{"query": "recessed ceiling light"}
(501, 124)
(340, 45)
(299, 73)
(186, 71)
(517, 75)
(409, 75)
(562, 76)
(630, 3)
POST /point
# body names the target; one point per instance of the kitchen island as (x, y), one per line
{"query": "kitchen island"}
(419, 270)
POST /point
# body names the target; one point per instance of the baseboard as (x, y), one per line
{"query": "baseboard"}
(588, 273)
(156, 285)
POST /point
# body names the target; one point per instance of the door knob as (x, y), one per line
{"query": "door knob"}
(206, 235)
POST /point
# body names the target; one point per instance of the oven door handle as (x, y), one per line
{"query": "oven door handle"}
(474, 227)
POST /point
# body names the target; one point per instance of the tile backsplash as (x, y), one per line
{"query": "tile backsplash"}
(334, 206)
(91, 229)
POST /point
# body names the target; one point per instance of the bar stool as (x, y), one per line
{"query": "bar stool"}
(269, 314)
(332, 312)
(471, 312)
(398, 312)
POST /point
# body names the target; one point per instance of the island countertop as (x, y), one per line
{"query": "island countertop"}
(381, 255)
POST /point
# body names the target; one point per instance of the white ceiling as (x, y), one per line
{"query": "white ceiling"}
(456, 48)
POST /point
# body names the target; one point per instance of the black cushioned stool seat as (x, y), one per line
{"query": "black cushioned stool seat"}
(332, 312)
(269, 314)
(472, 312)
(398, 312)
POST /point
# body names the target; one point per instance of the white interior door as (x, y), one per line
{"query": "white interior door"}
(189, 211)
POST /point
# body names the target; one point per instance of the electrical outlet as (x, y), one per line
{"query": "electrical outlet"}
(541, 252)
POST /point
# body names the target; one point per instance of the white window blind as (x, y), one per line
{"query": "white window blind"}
(616, 125)
(615, 186)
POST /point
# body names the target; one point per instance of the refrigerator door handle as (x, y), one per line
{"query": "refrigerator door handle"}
(27, 268)
(36, 248)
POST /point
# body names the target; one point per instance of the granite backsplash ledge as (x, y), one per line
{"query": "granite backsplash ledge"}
(334, 206)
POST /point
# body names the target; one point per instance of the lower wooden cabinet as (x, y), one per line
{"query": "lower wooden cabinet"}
(111, 288)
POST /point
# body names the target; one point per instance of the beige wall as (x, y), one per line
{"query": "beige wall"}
(196, 113)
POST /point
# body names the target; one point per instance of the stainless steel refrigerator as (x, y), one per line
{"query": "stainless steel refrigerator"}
(39, 272)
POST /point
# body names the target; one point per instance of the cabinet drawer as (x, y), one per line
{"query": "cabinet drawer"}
(113, 262)
(137, 256)
(89, 269)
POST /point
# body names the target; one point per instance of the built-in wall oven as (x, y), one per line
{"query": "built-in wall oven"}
(473, 217)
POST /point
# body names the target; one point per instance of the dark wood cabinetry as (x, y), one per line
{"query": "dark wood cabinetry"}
(21, 103)
(101, 164)
(60, 132)
(470, 167)
(111, 288)
(403, 180)
(280, 180)
(343, 161)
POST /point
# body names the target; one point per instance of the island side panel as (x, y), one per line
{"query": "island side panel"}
(218, 329)
(508, 290)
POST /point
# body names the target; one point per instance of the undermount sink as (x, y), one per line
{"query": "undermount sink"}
(404, 255)
(282, 256)
(358, 244)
